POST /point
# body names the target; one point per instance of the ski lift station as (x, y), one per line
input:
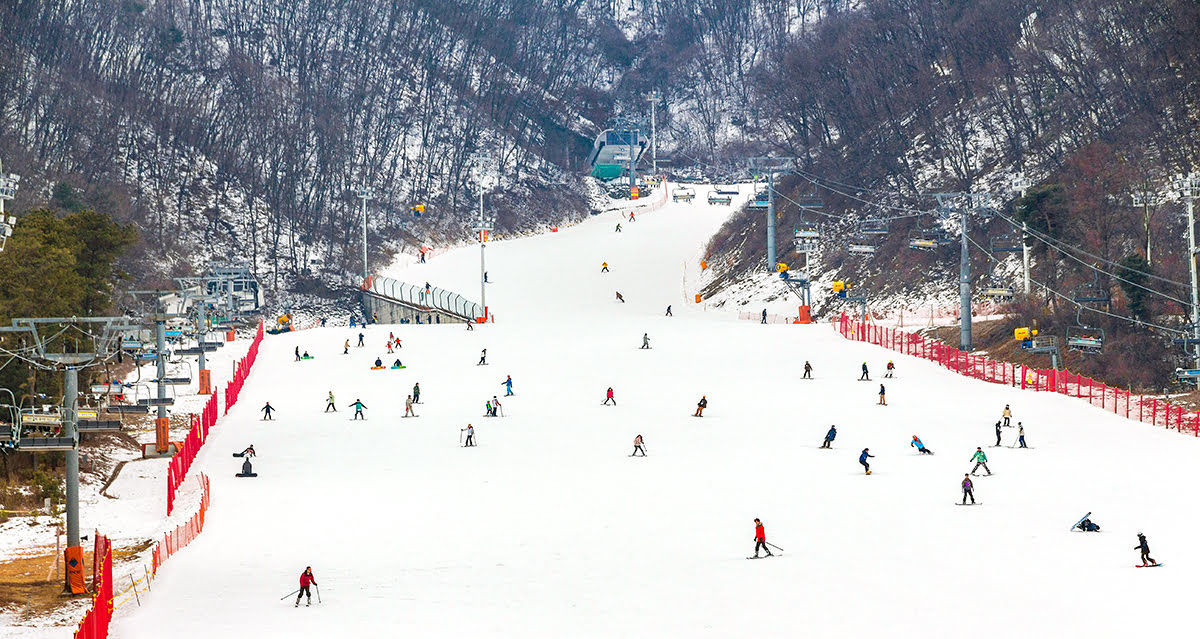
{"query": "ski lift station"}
(614, 150)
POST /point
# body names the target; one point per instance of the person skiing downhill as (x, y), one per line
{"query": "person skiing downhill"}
(862, 459)
(764, 316)
(346, 349)
(760, 538)
(639, 445)
(470, 435)
(1007, 415)
(358, 409)
(968, 488)
(329, 403)
(669, 311)
(891, 368)
(604, 267)
(267, 410)
(618, 228)
(980, 459)
(306, 579)
(701, 405)
(408, 409)
(482, 357)
(807, 370)
(496, 408)
(360, 339)
(997, 433)
(417, 393)
(865, 375)
(1021, 435)
(1144, 546)
(916, 441)
(620, 298)
(882, 392)
(645, 340)
(829, 437)
(507, 384)
(608, 397)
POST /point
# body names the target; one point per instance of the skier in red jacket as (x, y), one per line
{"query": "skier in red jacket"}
(760, 538)
(306, 579)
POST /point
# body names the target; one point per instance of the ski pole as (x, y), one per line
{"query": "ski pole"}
(318, 593)
(289, 594)
(774, 546)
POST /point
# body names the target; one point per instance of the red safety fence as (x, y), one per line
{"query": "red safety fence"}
(183, 534)
(234, 387)
(182, 461)
(95, 623)
(1145, 409)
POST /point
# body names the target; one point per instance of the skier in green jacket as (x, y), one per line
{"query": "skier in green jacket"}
(358, 409)
(980, 459)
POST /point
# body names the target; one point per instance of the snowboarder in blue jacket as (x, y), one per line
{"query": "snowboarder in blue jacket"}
(829, 437)
(862, 459)
(507, 386)
(916, 441)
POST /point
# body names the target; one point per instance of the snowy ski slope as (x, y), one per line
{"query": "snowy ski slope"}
(549, 529)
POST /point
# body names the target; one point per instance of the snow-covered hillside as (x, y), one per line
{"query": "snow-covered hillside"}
(548, 528)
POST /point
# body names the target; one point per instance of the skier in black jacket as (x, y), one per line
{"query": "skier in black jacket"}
(1144, 546)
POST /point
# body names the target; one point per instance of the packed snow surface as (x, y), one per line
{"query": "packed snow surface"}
(550, 529)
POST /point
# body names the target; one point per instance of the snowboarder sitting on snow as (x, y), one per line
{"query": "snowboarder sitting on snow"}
(638, 445)
(247, 469)
(397, 364)
(378, 362)
(701, 406)
(916, 441)
(306, 579)
(760, 538)
(1087, 525)
(306, 355)
(608, 397)
(862, 459)
(980, 459)
(829, 437)
(1144, 546)
(267, 410)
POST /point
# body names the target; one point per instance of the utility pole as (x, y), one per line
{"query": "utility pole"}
(771, 165)
(106, 343)
(973, 201)
(1189, 189)
(653, 97)
(483, 226)
(635, 138)
(1021, 185)
(1146, 198)
(365, 194)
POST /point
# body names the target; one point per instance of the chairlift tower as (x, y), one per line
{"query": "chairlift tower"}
(771, 166)
(105, 333)
(653, 98)
(1020, 185)
(365, 194)
(8, 190)
(1188, 187)
(964, 204)
(484, 225)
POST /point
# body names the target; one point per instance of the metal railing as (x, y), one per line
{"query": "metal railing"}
(422, 298)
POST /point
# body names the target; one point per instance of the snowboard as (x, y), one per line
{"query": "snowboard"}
(1076, 526)
(377, 368)
(309, 357)
(1158, 565)
(245, 475)
(239, 454)
(396, 368)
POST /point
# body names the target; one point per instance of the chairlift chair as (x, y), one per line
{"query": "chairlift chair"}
(997, 290)
(1091, 294)
(807, 239)
(922, 240)
(715, 197)
(1085, 339)
(1004, 244)
(682, 194)
(860, 245)
(760, 202)
(873, 226)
